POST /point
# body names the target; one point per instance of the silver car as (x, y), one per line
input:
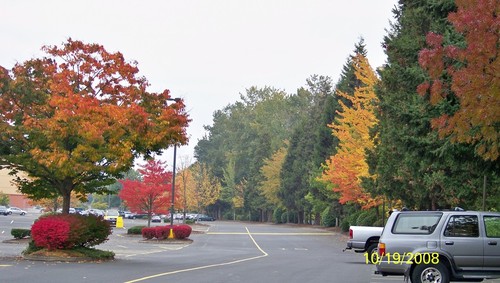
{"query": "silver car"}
(16, 210)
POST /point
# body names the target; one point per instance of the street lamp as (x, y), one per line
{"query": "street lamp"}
(172, 208)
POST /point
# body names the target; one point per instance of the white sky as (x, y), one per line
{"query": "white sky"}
(205, 51)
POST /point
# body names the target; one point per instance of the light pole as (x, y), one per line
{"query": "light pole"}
(172, 208)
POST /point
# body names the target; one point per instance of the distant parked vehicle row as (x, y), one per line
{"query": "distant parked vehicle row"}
(93, 211)
(204, 217)
(11, 210)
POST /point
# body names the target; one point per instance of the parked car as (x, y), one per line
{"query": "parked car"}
(93, 211)
(111, 216)
(16, 210)
(156, 218)
(204, 217)
(3, 210)
(129, 215)
(441, 246)
(364, 239)
(71, 210)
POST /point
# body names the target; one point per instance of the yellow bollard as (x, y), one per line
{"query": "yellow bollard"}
(171, 234)
(119, 222)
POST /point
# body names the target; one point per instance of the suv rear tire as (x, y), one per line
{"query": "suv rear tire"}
(430, 273)
(370, 251)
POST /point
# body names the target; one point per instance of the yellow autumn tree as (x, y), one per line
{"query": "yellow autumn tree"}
(206, 188)
(348, 166)
(271, 172)
(187, 186)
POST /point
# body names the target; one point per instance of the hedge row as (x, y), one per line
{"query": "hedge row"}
(161, 232)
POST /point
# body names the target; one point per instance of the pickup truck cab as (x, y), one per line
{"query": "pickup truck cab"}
(441, 246)
(364, 239)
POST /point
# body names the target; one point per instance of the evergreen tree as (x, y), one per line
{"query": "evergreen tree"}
(411, 162)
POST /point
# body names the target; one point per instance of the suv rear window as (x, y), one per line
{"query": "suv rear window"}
(416, 223)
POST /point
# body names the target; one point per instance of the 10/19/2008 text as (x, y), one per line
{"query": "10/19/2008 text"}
(408, 258)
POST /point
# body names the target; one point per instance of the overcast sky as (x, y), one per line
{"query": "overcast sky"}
(205, 51)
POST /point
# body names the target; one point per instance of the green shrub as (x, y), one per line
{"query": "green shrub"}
(277, 215)
(31, 248)
(344, 225)
(135, 230)
(327, 218)
(96, 232)
(379, 223)
(366, 218)
(353, 217)
(19, 233)
(289, 216)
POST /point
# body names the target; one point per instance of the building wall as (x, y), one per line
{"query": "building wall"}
(6, 187)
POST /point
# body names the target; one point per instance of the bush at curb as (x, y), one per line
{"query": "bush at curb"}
(135, 230)
(19, 233)
(162, 232)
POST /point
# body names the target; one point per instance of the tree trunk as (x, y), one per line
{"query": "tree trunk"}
(66, 195)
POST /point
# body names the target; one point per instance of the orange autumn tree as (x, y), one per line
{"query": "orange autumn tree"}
(468, 72)
(346, 168)
(75, 120)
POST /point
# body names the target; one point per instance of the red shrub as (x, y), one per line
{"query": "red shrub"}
(162, 232)
(51, 233)
(182, 231)
(64, 231)
(148, 232)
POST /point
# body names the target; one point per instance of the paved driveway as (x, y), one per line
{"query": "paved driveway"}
(225, 252)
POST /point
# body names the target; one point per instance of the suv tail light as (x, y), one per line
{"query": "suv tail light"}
(381, 249)
(350, 233)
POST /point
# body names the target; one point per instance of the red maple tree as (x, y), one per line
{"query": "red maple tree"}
(469, 73)
(152, 194)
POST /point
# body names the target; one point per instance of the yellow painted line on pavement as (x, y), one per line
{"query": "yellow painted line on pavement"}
(273, 234)
(5, 265)
(264, 254)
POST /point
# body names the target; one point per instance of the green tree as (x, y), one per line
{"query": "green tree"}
(242, 136)
(412, 164)
(4, 199)
(75, 120)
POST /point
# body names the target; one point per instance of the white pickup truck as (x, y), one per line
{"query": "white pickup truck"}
(364, 239)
